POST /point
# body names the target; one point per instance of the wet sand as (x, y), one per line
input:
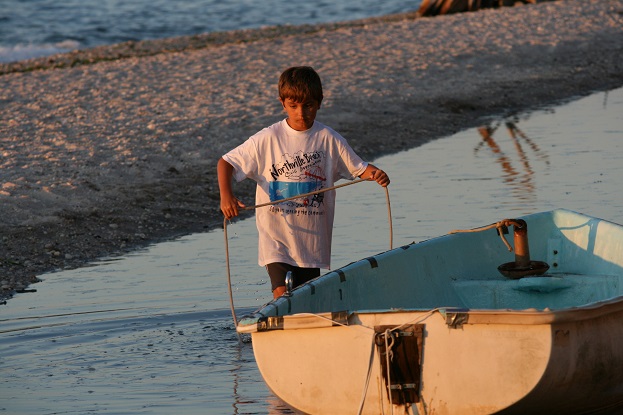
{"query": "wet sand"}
(110, 155)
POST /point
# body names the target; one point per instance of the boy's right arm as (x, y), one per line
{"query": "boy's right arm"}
(229, 203)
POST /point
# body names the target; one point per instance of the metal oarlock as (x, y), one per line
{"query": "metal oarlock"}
(523, 266)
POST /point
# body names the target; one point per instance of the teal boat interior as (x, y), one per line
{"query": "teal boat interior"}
(584, 254)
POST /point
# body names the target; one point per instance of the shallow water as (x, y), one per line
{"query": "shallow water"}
(151, 333)
(35, 28)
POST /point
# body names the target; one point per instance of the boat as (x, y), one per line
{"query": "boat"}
(457, 324)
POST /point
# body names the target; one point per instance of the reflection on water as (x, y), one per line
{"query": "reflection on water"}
(152, 333)
(567, 157)
(519, 179)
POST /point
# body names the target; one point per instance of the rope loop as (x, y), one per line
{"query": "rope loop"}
(229, 288)
(389, 356)
(499, 226)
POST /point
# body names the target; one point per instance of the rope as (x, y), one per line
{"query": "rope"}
(389, 219)
(498, 225)
(389, 356)
(231, 298)
(416, 320)
(368, 376)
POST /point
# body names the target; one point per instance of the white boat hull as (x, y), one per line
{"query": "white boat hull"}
(544, 345)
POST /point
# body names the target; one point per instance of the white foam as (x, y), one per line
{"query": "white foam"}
(22, 52)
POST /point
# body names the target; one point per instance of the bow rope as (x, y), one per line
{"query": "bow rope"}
(231, 298)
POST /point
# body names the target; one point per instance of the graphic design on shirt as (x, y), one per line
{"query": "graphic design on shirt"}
(298, 174)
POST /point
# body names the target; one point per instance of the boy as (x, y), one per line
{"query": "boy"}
(294, 156)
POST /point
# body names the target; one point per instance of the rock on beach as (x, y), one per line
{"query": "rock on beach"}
(108, 154)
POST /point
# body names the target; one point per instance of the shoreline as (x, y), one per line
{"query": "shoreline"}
(143, 48)
(102, 159)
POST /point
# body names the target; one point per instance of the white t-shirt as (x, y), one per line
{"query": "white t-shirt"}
(284, 163)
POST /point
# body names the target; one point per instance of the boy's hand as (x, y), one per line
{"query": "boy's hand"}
(380, 177)
(374, 173)
(230, 206)
(229, 203)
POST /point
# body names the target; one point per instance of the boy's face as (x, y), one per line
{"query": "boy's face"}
(301, 115)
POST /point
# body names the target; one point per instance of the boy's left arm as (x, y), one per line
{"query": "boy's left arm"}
(374, 173)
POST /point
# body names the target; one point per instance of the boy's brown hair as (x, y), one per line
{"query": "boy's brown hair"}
(300, 83)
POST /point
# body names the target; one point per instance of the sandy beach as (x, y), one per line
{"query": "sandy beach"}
(108, 155)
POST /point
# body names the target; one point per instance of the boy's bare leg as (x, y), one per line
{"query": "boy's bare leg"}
(279, 291)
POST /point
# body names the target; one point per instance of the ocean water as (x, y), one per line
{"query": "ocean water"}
(151, 332)
(34, 28)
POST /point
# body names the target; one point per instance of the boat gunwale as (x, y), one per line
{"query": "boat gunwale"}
(259, 323)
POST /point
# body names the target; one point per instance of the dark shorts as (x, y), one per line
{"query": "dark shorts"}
(277, 272)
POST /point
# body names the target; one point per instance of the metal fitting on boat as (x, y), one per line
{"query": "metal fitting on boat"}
(289, 284)
(522, 266)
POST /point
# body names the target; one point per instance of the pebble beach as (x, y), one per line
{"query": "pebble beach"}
(107, 150)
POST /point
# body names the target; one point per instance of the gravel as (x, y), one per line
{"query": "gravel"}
(106, 154)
